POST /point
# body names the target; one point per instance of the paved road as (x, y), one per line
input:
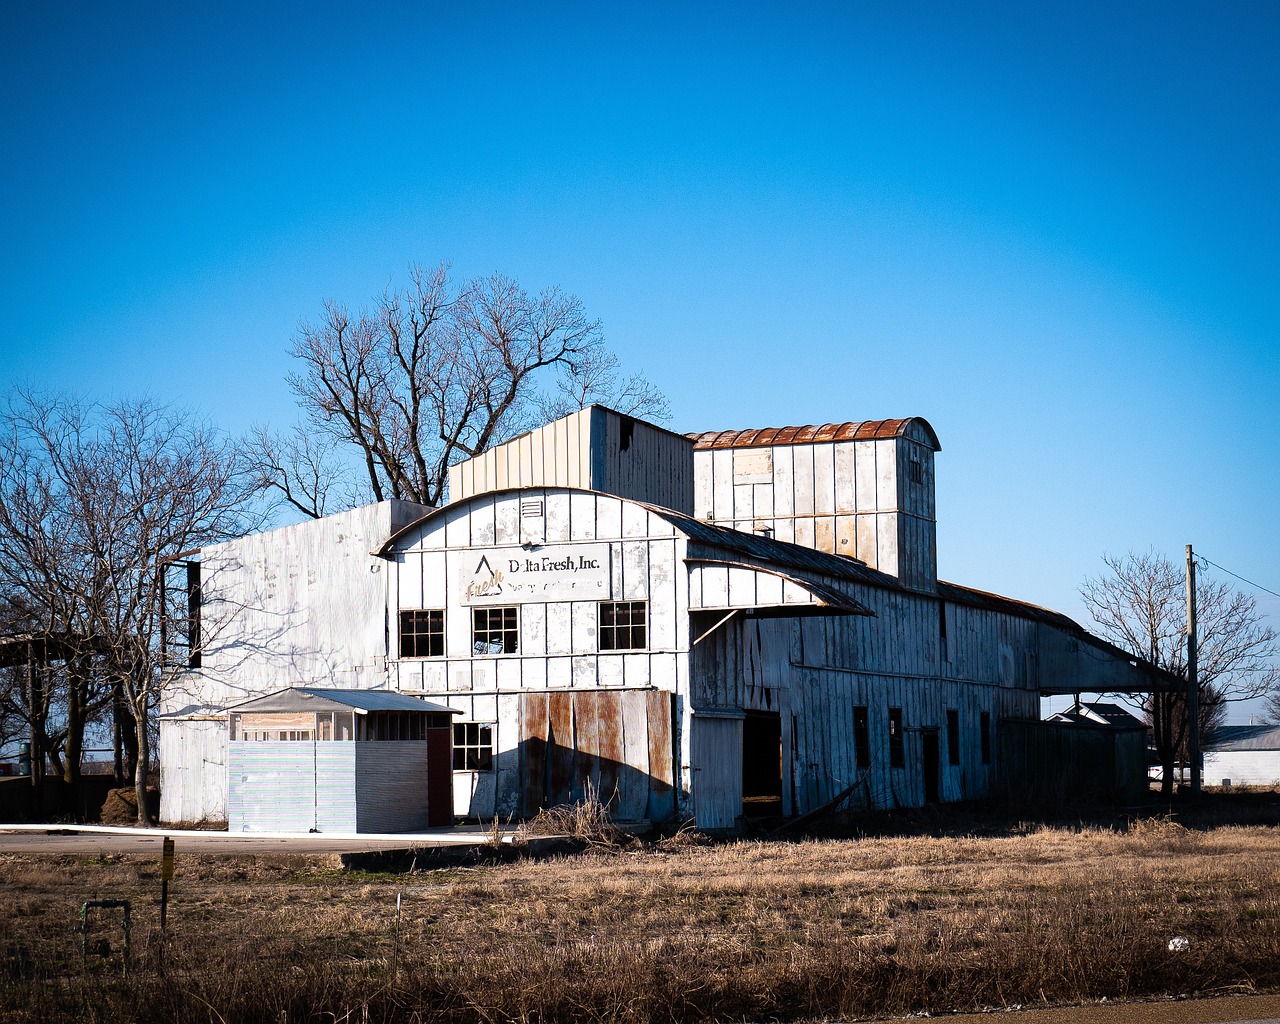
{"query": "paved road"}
(79, 839)
(1237, 1009)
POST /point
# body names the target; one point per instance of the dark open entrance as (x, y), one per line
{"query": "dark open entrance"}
(761, 764)
(932, 765)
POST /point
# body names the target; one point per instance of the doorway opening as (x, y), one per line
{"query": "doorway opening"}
(761, 764)
(932, 765)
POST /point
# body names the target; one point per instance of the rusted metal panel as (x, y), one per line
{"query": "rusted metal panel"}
(586, 737)
(660, 714)
(559, 748)
(533, 750)
(609, 725)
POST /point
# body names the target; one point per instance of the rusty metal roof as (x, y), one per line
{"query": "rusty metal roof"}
(866, 430)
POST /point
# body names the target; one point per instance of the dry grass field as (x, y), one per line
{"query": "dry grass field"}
(817, 929)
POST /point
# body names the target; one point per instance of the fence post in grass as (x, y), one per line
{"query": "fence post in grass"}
(395, 945)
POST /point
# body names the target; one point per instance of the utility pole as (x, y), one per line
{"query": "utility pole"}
(1193, 681)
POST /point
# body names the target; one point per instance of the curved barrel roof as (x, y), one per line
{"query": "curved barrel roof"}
(914, 427)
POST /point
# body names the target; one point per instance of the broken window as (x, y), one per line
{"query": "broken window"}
(422, 633)
(472, 746)
(622, 625)
(495, 630)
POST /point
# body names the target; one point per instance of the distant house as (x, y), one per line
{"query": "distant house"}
(1098, 713)
(1243, 755)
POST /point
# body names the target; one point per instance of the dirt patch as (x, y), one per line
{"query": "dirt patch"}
(121, 806)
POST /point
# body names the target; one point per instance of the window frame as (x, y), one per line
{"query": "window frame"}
(482, 744)
(620, 632)
(504, 631)
(897, 740)
(434, 637)
(953, 737)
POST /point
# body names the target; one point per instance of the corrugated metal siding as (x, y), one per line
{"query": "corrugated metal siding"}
(273, 787)
(849, 497)
(193, 770)
(391, 786)
(301, 605)
(618, 742)
(595, 449)
(328, 786)
(716, 750)
(1242, 767)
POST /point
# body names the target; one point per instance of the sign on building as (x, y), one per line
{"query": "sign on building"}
(551, 572)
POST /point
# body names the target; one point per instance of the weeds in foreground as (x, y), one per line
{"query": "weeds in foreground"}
(731, 931)
(587, 821)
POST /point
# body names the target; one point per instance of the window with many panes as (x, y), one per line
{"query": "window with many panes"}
(472, 747)
(422, 633)
(897, 748)
(495, 630)
(622, 625)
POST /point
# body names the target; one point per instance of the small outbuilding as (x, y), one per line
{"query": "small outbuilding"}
(1243, 755)
(1104, 713)
(327, 760)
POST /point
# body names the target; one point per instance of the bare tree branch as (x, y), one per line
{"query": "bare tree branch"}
(433, 374)
(93, 499)
(1140, 604)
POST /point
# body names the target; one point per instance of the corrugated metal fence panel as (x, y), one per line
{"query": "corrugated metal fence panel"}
(391, 786)
(272, 786)
(193, 771)
(336, 786)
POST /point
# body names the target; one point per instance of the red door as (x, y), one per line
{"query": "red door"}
(440, 777)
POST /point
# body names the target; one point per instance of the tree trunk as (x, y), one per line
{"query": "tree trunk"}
(126, 737)
(142, 769)
(77, 686)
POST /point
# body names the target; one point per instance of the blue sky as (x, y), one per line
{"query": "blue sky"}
(1050, 229)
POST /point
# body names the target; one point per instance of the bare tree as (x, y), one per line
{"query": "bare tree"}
(1140, 604)
(433, 374)
(93, 500)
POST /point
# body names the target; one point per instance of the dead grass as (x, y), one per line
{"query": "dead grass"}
(748, 930)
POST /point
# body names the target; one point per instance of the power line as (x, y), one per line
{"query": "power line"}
(1258, 586)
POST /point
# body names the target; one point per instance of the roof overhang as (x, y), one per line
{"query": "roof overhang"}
(719, 585)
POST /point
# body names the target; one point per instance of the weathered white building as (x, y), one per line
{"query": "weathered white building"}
(1243, 755)
(698, 627)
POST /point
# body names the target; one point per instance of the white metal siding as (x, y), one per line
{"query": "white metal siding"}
(851, 498)
(1242, 767)
(193, 770)
(585, 449)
